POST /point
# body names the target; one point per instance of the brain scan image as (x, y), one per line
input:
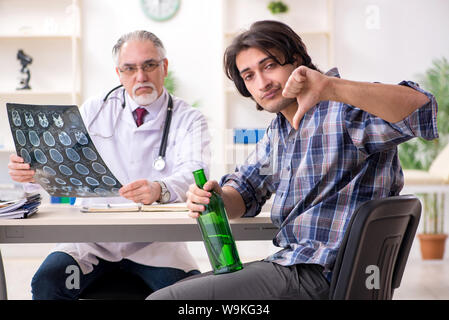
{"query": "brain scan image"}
(89, 154)
(43, 121)
(48, 138)
(92, 181)
(108, 180)
(16, 118)
(98, 168)
(76, 182)
(56, 144)
(29, 119)
(72, 155)
(20, 137)
(81, 138)
(64, 138)
(40, 156)
(65, 170)
(56, 156)
(34, 139)
(60, 181)
(57, 120)
(82, 169)
(49, 171)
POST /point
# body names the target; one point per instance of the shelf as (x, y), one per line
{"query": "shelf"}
(41, 97)
(38, 36)
(36, 93)
(7, 150)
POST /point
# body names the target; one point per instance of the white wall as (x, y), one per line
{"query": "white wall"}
(409, 35)
(192, 40)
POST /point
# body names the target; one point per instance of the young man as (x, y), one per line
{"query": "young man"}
(332, 147)
(127, 127)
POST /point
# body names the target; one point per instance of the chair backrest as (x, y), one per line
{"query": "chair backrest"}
(375, 248)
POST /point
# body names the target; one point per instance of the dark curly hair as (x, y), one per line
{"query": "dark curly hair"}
(265, 35)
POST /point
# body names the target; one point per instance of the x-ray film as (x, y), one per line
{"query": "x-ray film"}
(55, 142)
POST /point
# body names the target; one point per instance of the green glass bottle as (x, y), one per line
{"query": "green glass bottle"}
(216, 232)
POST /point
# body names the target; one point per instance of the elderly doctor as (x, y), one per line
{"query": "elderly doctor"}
(126, 126)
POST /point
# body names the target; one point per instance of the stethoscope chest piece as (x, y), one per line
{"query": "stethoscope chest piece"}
(159, 163)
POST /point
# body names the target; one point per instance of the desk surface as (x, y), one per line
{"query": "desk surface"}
(65, 223)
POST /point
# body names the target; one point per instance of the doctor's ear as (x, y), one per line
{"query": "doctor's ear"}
(165, 63)
(117, 71)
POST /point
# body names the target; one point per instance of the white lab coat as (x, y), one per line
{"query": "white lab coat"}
(129, 152)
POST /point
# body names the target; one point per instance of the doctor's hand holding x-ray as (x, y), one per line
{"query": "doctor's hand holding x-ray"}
(142, 77)
(144, 85)
(152, 152)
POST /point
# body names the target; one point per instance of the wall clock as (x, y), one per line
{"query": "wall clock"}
(160, 10)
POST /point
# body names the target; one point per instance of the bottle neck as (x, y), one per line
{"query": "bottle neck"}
(200, 178)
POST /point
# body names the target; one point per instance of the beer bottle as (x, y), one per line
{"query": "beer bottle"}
(216, 232)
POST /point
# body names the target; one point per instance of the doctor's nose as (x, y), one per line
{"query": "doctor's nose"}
(141, 75)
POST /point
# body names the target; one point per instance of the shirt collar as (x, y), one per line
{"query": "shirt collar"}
(333, 73)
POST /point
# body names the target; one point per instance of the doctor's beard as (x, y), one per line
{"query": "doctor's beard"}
(146, 98)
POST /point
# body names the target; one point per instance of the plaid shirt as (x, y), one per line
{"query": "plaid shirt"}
(339, 158)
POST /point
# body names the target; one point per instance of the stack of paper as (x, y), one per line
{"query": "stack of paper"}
(20, 208)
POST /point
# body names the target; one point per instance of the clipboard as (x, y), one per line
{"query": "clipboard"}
(135, 207)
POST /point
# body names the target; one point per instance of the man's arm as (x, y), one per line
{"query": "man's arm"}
(234, 204)
(392, 103)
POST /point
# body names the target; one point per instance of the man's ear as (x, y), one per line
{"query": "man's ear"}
(298, 60)
(118, 72)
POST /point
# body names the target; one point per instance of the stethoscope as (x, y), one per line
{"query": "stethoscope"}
(159, 162)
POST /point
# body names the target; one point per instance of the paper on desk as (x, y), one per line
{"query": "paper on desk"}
(20, 208)
(135, 207)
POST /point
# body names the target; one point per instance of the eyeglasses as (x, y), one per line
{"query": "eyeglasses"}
(147, 67)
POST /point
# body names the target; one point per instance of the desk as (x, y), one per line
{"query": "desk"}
(64, 223)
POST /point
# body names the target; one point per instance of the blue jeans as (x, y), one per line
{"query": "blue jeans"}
(50, 280)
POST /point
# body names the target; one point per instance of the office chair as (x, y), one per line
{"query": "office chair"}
(117, 285)
(379, 234)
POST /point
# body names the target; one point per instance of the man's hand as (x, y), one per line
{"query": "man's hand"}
(196, 197)
(309, 87)
(19, 170)
(141, 191)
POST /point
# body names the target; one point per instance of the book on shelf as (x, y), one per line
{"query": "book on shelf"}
(135, 207)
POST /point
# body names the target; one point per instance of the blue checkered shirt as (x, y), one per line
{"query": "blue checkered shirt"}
(339, 157)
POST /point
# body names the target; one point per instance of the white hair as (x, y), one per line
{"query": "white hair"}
(140, 35)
